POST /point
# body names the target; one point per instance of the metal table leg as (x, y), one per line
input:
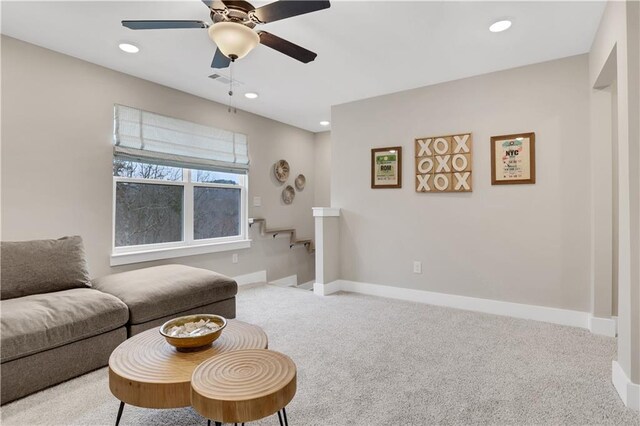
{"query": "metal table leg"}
(284, 414)
(119, 413)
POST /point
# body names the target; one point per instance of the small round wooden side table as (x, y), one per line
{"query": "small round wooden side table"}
(146, 371)
(242, 386)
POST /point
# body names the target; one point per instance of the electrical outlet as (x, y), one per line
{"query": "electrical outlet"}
(234, 258)
(257, 201)
(417, 267)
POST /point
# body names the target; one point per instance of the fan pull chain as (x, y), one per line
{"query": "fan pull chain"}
(231, 106)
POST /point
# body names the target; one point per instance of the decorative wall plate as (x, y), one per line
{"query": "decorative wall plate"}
(288, 194)
(281, 170)
(300, 182)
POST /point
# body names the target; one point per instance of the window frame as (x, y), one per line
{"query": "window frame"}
(188, 245)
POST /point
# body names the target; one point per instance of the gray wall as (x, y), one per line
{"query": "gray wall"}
(517, 243)
(619, 32)
(57, 115)
(322, 158)
(603, 201)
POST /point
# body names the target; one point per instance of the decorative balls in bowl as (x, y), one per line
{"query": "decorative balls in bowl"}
(193, 331)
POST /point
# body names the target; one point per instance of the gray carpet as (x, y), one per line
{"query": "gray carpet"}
(370, 361)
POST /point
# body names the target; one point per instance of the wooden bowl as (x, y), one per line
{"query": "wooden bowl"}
(288, 194)
(195, 342)
(281, 170)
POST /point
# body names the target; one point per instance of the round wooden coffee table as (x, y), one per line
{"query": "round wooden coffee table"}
(146, 371)
(242, 386)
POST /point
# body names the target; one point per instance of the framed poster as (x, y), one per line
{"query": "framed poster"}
(386, 167)
(513, 159)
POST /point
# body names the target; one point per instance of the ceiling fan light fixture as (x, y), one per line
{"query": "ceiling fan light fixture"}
(234, 40)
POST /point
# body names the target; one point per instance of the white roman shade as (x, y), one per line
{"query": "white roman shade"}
(145, 136)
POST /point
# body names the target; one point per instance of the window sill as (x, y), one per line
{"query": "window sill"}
(168, 253)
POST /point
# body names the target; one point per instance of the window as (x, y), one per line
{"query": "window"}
(149, 203)
(168, 204)
(162, 207)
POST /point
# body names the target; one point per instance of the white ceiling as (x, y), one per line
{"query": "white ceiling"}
(364, 48)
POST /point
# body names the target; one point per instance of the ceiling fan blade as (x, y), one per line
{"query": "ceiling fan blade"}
(162, 25)
(287, 8)
(219, 60)
(286, 47)
(214, 4)
(239, 4)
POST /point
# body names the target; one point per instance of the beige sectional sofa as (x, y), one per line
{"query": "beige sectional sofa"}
(56, 324)
(155, 295)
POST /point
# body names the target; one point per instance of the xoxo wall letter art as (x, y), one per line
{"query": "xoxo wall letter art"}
(443, 163)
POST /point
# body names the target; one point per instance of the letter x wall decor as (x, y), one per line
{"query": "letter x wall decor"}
(443, 163)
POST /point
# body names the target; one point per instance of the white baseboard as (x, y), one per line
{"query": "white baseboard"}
(629, 392)
(306, 286)
(603, 326)
(252, 278)
(495, 307)
(290, 281)
(326, 289)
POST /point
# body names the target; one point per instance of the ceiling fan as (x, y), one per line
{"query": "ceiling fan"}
(233, 24)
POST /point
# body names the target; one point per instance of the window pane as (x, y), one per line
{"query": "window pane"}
(148, 213)
(136, 170)
(204, 176)
(216, 212)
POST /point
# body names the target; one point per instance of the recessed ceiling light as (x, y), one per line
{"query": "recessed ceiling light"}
(128, 47)
(251, 95)
(500, 26)
(324, 123)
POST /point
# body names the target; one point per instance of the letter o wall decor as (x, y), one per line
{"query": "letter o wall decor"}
(443, 163)
(425, 165)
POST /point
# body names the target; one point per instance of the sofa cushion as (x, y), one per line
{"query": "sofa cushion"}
(42, 266)
(159, 291)
(38, 322)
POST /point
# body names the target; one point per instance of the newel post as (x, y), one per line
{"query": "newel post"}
(327, 241)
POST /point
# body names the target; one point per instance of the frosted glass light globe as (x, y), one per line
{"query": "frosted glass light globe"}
(234, 40)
